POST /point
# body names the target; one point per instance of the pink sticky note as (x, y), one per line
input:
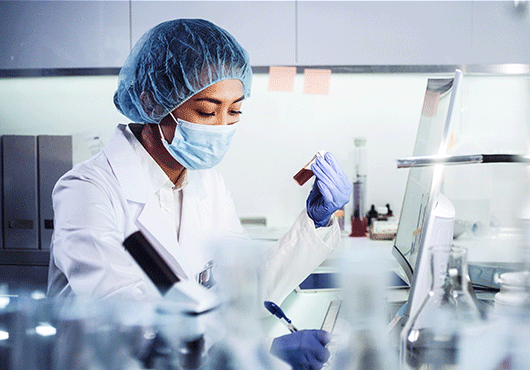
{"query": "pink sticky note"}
(281, 78)
(430, 104)
(316, 81)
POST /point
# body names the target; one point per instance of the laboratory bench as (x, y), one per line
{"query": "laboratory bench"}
(308, 309)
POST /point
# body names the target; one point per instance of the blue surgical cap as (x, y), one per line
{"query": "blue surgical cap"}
(172, 62)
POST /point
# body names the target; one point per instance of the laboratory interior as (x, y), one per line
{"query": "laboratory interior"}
(425, 108)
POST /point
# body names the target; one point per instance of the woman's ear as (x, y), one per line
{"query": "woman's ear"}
(150, 106)
(148, 103)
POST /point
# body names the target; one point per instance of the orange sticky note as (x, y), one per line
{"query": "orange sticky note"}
(281, 78)
(316, 81)
(451, 143)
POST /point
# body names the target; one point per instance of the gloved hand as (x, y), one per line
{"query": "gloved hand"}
(303, 350)
(331, 189)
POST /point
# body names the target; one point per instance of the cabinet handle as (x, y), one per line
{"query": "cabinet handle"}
(21, 224)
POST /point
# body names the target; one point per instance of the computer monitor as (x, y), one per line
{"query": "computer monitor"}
(423, 184)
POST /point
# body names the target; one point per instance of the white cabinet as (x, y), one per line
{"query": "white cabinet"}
(500, 33)
(99, 34)
(383, 32)
(412, 32)
(266, 29)
(63, 34)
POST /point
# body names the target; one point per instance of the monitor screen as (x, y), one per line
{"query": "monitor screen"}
(423, 183)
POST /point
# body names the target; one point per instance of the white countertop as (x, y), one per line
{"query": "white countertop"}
(307, 310)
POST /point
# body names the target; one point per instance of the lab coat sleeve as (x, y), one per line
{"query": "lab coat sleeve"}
(293, 257)
(87, 243)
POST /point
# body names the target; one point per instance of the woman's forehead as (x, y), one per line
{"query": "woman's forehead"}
(225, 90)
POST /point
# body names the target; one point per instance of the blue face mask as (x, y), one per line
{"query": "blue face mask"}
(197, 146)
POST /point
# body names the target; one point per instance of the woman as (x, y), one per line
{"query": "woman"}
(183, 86)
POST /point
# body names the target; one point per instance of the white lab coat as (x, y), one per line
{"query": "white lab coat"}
(106, 198)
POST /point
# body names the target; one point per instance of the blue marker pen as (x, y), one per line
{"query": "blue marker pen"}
(277, 311)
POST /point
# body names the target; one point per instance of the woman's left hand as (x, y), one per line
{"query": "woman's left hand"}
(331, 189)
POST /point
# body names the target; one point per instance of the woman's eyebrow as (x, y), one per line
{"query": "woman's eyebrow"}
(216, 101)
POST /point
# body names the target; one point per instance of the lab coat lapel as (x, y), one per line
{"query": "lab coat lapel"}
(162, 235)
(125, 163)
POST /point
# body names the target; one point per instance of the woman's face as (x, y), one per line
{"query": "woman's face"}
(218, 104)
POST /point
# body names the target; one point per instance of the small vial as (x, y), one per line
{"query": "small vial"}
(302, 176)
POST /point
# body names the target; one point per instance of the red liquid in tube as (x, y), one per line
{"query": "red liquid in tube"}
(302, 176)
(305, 173)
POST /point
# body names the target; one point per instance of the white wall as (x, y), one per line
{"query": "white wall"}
(281, 131)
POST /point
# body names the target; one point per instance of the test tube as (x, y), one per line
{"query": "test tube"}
(302, 176)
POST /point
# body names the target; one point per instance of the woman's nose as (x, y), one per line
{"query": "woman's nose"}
(223, 120)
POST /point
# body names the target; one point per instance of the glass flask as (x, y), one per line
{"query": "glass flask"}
(27, 331)
(360, 337)
(430, 339)
(90, 338)
(242, 345)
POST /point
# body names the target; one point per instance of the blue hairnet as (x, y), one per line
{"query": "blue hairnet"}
(172, 62)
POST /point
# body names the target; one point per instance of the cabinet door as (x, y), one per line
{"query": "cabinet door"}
(384, 32)
(64, 34)
(266, 29)
(19, 177)
(54, 159)
(413, 32)
(501, 32)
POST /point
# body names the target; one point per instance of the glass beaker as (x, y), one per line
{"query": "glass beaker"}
(360, 338)
(430, 339)
(89, 337)
(237, 274)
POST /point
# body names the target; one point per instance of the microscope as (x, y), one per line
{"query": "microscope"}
(183, 315)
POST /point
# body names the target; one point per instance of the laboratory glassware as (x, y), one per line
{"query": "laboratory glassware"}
(242, 345)
(430, 338)
(27, 330)
(358, 218)
(305, 173)
(359, 185)
(360, 339)
(90, 337)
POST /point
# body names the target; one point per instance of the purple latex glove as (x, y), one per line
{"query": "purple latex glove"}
(331, 189)
(303, 350)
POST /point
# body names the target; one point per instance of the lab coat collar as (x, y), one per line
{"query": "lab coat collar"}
(123, 159)
(163, 236)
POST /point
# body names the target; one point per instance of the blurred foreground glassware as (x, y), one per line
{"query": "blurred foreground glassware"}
(27, 330)
(242, 347)
(361, 340)
(90, 337)
(431, 339)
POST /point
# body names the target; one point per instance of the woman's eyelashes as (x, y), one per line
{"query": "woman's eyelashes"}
(206, 114)
(212, 114)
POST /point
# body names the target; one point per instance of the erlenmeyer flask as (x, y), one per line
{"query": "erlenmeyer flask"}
(430, 339)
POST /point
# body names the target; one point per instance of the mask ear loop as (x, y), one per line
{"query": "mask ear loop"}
(174, 119)
(160, 129)
(161, 134)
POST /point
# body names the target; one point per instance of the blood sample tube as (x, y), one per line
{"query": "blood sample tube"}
(302, 176)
